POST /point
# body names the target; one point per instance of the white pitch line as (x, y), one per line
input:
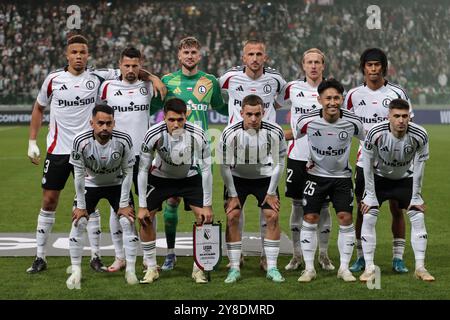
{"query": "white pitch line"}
(7, 128)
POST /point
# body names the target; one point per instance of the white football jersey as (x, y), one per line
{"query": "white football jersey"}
(330, 143)
(301, 98)
(103, 163)
(71, 100)
(394, 157)
(131, 105)
(372, 106)
(252, 153)
(239, 85)
(176, 157)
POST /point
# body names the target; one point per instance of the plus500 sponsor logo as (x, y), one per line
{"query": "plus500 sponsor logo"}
(329, 152)
(136, 107)
(80, 102)
(373, 120)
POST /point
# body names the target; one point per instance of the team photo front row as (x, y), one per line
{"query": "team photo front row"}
(175, 161)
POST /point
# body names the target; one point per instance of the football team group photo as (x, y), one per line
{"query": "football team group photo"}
(307, 142)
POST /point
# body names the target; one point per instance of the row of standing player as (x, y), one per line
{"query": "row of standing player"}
(240, 81)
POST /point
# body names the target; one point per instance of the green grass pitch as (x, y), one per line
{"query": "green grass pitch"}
(21, 196)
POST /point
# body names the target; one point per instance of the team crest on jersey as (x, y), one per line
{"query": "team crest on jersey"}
(115, 155)
(76, 155)
(368, 145)
(90, 85)
(408, 149)
(343, 135)
(202, 89)
(267, 88)
(143, 91)
(386, 102)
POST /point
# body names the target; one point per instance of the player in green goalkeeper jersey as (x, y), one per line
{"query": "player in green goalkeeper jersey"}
(200, 91)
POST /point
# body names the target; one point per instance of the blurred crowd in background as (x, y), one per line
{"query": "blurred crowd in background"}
(414, 34)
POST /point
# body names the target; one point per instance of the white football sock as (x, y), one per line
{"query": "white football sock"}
(369, 236)
(295, 224)
(116, 234)
(46, 220)
(324, 230)
(149, 250)
(130, 241)
(346, 242)
(76, 241)
(94, 233)
(234, 250)
(398, 248)
(272, 249)
(419, 236)
(308, 241)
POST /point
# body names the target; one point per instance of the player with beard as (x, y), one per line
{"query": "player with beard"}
(252, 78)
(103, 161)
(130, 99)
(200, 91)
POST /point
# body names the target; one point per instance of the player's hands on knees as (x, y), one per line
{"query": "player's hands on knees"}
(364, 207)
(144, 216)
(231, 204)
(273, 201)
(369, 201)
(127, 212)
(77, 214)
(273, 214)
(33, 152)
(418, 207)
(207, 214)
